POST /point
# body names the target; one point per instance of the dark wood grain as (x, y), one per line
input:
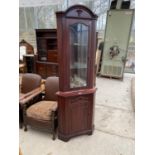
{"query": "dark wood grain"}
(76, 105)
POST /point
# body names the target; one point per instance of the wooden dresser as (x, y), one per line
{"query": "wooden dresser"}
(47, 57)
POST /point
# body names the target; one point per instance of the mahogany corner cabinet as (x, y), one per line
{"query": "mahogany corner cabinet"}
(76, 30)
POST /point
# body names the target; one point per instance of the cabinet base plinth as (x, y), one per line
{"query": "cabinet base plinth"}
(67, 137)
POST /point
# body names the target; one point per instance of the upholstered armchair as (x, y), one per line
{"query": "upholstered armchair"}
(30, 84)
(43, 114)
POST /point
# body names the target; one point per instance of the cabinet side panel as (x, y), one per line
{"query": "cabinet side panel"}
(62, 125)
(60, 50)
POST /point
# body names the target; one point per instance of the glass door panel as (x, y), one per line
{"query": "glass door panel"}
(79, 55)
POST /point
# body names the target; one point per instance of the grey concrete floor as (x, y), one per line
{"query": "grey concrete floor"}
(114, 126)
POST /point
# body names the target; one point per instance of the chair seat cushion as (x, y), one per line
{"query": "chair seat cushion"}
(42, 110)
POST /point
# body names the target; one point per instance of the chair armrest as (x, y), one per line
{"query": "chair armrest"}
(29, 96)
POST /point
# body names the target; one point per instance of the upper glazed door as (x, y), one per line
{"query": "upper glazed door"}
(78, 51)
(78, 55)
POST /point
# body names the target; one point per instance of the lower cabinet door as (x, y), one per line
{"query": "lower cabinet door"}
(41, 70)
(51, 70)
(48, 70)
(79, 113)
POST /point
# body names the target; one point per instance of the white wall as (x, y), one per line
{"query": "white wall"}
(30, 3)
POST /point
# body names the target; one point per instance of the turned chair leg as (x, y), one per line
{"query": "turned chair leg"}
(25, 127)
(20, 117)
(54, 137)
(20, 125)
(53, 125)
(24, 117)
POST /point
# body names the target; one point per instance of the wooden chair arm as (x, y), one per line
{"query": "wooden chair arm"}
(29, 96)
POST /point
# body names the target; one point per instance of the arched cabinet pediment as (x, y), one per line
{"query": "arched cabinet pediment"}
(80, 11)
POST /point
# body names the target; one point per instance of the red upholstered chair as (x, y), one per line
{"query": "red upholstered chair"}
(43, 114)
(30, 83)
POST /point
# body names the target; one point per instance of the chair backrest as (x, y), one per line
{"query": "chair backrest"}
(51, 87)
(30, 81)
